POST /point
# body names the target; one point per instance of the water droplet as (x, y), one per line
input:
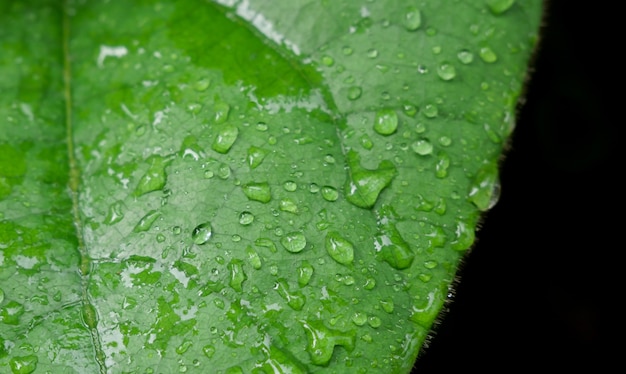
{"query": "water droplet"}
(246, 218)
(359, 318)
(387, 305)
(294, 242)
(386, 122)
(160, 238)
(366, 142)
(23, 364)
(314, 188)
(322, 341)
(487, 55)
(422, 147)
(354, 92)
(446, 71)
(445, 141)
(155, 177)
(222, 110)
(237, 275)
(409, 109)
(464, 236)
(330, 193)
(295, 299)
(1, 295)
(485, 190)
(339, 248)
(184, 347)
(146, 221)
(430, 111)
(374, 321)
(225, 139)
(389, 244)
(202, 84)
(258, 191)
(364, 186)
(372, 53)
(202, 233)
(329, 159)
(369, 284)
(256, 156)
(499, 6)
(253, 258)
(305, 272)
(267, 243)
(177, 230)
(327, 60)
(465, 56)
(288, 205)
(347, 50)
(412, 19)
(11, 312)
(208, 350)
(290, 186)
(115, 213)
(443, 163)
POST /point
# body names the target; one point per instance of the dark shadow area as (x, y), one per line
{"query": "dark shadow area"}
(540, 288)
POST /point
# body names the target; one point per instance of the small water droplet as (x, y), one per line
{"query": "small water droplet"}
(184, 347)
(160, 238)
(347, 50)
(409, 109)
(464, 236)
(499, 6)
(208, 350)
(246, 218)
(115, 213)
(445, 141)
(305, 272)
(177, 230)
(253, 258)
(258, 191)
(294, 242)
(430, 111)
(330, 193)
(386, 121)
(339, 248)
(366, 142)
(359, 318)
(154, 178)
(422, 147)
(465, 56)
(387, 305)
(202, 233)
(488, 55)
(354, 92)
(389, 244)
(329, 159)
(225, 139)
(374, 321)
(412, 19)
(146, 221)
(446, 71)
(288, 205)
(372, 53)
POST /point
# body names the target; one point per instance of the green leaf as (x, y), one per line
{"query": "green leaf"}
(245, 186)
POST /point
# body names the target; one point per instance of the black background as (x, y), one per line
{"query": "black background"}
(539, 288)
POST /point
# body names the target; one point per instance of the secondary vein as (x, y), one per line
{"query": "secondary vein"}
(88, 311)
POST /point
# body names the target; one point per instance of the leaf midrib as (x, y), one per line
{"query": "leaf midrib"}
(87, 309)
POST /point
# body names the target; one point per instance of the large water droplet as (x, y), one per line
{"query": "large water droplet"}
(322, 341)
(364, 186)
(256, 156)
(295, 299)
(202, 233)
(146, 221)
(446, 71)
(430, 111)
(389, 244)
(422, 147)
(305, 272)
(499, 6)
(386, 121)
(464, 236)
(488, 55)
(23, 364)
(329, 193)
(258, 191)
(465, 56)
(485, 189)
(412, 19)
(339, 248)
(155, 177)
(294, 241)
(246, 218)
(237, 275)
(443, 163)
(225, 139)
(222, 110)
